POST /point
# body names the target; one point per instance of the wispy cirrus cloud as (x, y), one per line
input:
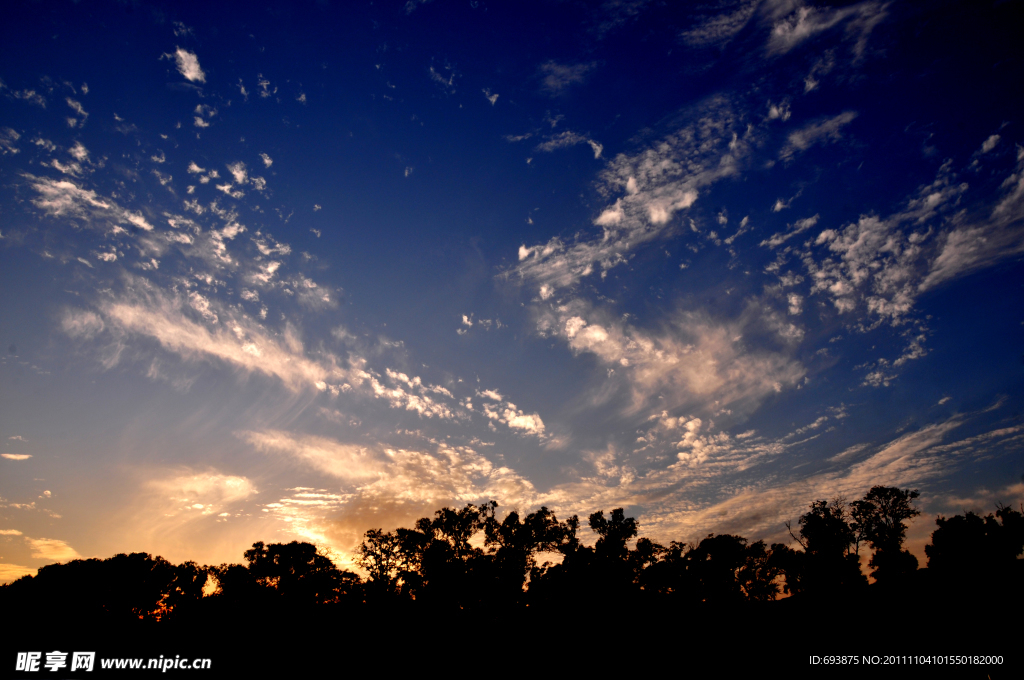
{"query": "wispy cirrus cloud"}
(557, 78)
(656, 184)
(147, 311)
(819, 132)
(721, 25)
(803, 23)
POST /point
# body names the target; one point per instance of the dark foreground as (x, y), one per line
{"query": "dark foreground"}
(906, 634)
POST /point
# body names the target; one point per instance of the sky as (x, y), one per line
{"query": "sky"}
(293, 271)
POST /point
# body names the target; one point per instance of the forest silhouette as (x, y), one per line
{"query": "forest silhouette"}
(472, 567)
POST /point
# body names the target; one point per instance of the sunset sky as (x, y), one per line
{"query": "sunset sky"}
(291, 272)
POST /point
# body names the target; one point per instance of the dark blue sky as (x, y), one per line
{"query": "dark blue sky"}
(300, 270)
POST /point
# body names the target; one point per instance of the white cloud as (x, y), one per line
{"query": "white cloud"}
(981, 243)
(8, 137)
(12, 572)
(209, 491)
(411, 5)
(657, 183)
(30, 96)
(492, 98)
(236, 342)
(779, 111)
(806, 22)
(16, 456)
(343, 461)
(238, 171)
(719, 30)
(569, 138)
(823, 131)
(557, 78)
(267, 161)
(52, 549)
(695, 362)
(77, 108)
(508, 413)
(79, 152)
(798, 227)
(880, 262)
(63, 197)
(188, 65)
(990, 143)
(383, 486)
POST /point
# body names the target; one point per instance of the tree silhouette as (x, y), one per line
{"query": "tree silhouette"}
(829, 564)
(880, 518)
(969, 546)
(380, 556)
(299, 572)
(472, 560)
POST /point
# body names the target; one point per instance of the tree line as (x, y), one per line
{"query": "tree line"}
(469, 559)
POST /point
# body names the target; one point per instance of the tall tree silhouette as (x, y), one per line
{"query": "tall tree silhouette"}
(514, 545)
(829, 564)
(880, 519)
(380, 555)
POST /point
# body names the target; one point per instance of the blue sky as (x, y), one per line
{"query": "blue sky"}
(297, 272)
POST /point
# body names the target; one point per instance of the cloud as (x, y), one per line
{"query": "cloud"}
(720, 29)
(235, 341)
(188, 65)
(8, 137)
(16, 456)
(381, 485)
(557, 78)
(79, 151)
(492, 98)
(569, 138)
(654, 184)
(346, 462)
(238, 171)
(880, 262)
(446, 83)
(615, 13)
(797, 227)
(981, 243)
(12, 572)
(411, 5)
(990, 143)
(695, 362)
(30, 96)
(823, 131)
(63, 197)
(52, 549)
(267, 161)
(200, 493)
(510, 415)
(759, 508)
(77, 108)
(779, 111)
(414, 396)
(806, 22)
